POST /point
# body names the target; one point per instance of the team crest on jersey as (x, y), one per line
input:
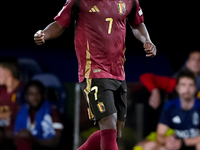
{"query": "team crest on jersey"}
(101, 107)
(121, 8)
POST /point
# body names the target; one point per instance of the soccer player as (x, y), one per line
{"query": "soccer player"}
(181, 114)
(100, 46)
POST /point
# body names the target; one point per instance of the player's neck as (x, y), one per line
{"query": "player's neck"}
(187, 104)
(11, 84)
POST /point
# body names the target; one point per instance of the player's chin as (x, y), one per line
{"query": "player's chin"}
(187, 97)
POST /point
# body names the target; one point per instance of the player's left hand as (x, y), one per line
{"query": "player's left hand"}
(150, 49)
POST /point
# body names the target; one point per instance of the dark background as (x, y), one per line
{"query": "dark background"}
(173, 27)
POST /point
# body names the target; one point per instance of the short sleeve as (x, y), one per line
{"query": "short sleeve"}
(135, 17)
(64, 16)
(165, 115)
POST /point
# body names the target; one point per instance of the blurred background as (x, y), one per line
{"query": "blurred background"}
(173, 27)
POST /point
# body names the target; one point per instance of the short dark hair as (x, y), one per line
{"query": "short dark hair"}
(186, 73)
(12, 64)
(36, 83)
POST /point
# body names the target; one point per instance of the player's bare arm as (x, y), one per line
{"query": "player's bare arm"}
(161, 133)
(52, 31)
(141, 33)
(192, 141)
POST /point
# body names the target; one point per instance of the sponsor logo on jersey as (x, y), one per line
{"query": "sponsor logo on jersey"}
(94, 9)
(190, 133)
(96, 70)
(176, 120)
(121, 8)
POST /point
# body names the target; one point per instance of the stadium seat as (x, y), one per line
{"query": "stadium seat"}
(28, 67)
(56, 92)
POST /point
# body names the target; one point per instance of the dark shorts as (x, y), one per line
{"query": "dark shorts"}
(105, 97)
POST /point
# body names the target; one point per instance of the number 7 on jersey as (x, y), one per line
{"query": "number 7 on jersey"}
(110, 24)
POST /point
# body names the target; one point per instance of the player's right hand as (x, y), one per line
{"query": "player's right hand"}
(150, 49)
(39, 37)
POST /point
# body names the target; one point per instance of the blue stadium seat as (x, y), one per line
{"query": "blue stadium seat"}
(56, 92)
(28, 67)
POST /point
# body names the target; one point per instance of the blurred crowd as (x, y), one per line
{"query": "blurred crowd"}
(32, 104)
(30, 114)
(178, 122)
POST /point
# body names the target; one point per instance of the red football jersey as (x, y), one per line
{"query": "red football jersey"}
(8, 103)
(100, 34)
